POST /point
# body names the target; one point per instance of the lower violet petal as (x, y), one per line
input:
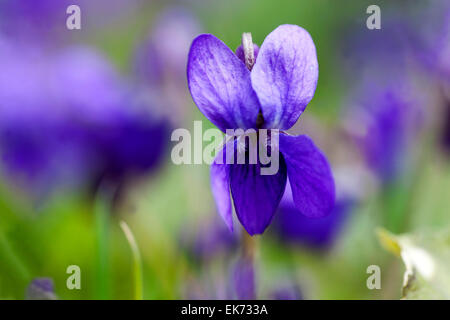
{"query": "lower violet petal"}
(256, 196)
(309, 174)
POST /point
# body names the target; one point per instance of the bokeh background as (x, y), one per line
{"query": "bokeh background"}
(85, 123)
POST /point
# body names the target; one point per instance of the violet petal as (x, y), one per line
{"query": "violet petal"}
(220, 84)
(309, 174)
(285, 75)
(256, 196)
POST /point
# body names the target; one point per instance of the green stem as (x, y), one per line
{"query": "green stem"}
(137, 261)
(393, 205)
(102, 210)
(249, 253)
(248, 246)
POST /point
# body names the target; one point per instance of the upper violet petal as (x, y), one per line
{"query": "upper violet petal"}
(309, 174)
(220, 84)
(255, 196)
(285, 75)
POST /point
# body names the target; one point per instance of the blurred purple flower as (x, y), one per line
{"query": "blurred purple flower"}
(26, 17)
(353, 184)
(32, 139)
(387, 118)
(446, 127)
(44, 20)
(214, 241)
(293, 227)
(430, 39)
(243, 279)
(41, 289)
(205, 289)
(160, 60)
(386, 113)
(211, 240)
(238, 283)
(388, 46)
(288, 292)
(276, 90)
(162, 55)
(68, 119)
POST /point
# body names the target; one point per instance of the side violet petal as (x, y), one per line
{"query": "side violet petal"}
(220, 84)
(255, 196)
(285, 75)
(220, 185)
(309, 175)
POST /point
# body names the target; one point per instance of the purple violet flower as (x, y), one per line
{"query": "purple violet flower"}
(270, 94)
(41, 289)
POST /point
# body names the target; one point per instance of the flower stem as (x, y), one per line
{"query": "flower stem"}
(137, 261)
(246, 281)
(248, 246)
